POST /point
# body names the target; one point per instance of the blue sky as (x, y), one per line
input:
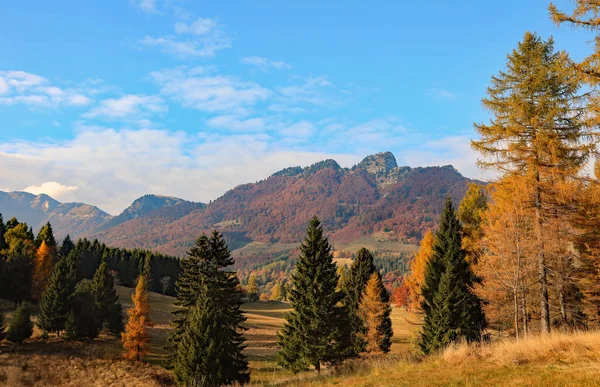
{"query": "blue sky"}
(104, 101)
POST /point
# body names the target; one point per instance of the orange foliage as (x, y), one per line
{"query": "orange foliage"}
(415, 280)
(42, 269)
(372, 311)
(136, 338)
(401, 296)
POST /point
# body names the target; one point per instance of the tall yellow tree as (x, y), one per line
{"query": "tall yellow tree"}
(44, 263)
(136, 338)
(538, 131)
(418, 265)
(470, 213)
(375, 311)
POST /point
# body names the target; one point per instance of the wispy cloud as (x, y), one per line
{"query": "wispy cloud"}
(199, 39)
(441, 94)
(312, 91)
(146, 5)
(234, 123)
(20, 87)
(264, 63)
(193, 88)
(128, 106)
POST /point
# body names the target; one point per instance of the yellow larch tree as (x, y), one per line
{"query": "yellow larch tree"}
(43, 266)
(136, 339)
(418, 265)
(374, 310)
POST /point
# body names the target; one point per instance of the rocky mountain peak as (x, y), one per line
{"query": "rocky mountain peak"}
(379, 164)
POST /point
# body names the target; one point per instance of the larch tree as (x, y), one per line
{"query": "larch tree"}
(452, 309)
(42, 269)
(361, 270)
(418, 265)
(136, 339)
(313, 333)
(538, 130)
(470, 213)
(375, 311)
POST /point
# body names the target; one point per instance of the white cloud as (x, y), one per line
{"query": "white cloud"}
(198, 27)
(441, 94)
(51, 188)
(113, 167)
(200, 39)
(209, 93)
(297, 131)
(19, 87)
(233, 123)
(264, 63)
(130, 105)
(146, 5)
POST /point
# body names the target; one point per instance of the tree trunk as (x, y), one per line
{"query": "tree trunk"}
(563, 306)
(318, 367)
(524, 309)
(516, 299)
(542, 271)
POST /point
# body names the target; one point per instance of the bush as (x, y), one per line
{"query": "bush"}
(21, 327)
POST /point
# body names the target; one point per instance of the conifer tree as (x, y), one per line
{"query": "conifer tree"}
(313, 332)
(12, 223)
(44, 263)
(3, 244)
(86, 321)
(46, 235)
(136, 339)
(361, 270)
(105, 297)
(19, 273)
(418, 267)
(452, 310)
(20, 327)
(66, 247)
(2, 326)
(539, 130)
(470, 213)
(56, 301)
(375, 311)
(202, 357)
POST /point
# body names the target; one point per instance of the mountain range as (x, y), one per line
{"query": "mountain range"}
(374, 197)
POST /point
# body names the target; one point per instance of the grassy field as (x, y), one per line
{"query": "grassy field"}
(559, 360)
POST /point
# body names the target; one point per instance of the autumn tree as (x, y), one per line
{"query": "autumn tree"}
(278, 291)
(252, 288)
(136, 339)
(44, 263)
(452, 310)
(538, 131)
(312, 333)
(418, 266)
(470, 213)
(375, 311)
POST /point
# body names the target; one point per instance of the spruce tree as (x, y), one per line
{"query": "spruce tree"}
(86, 320)
(313, 333)
(18, 274)
(452, 310)
(66, 247)
(56, 301)
(3, 244)
(375, 311)
(361, 270)
(20, 327)
(46, 235)
(106, 298)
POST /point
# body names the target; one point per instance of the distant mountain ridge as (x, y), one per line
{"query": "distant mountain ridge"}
(376, 197)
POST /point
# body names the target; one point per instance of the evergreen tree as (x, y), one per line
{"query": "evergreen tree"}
(313, 333)
(85, 320)
(115, 323)
(2, 326)
(12, 223)
(56, 301)
(20, 327)
(200, 359)
(452, 310)
(106, 298)
(375, 311)
(136, 339)
(46, 235)
(361, 270)
(66, 247)
(18, 274)
(3, 244)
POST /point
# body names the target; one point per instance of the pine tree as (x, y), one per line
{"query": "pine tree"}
(46, 235)
(201, 358)
(361, 270)
(20, 327)
(136, 339)
(86, 320)
(106, 298)
(2, 326)
(539, 130)
(418, 266)
(56, 301)
(18, 274)
(313, 331)
(375, 312)
(66, 247)
(452, 310)
(44, 263)
(3, 244)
